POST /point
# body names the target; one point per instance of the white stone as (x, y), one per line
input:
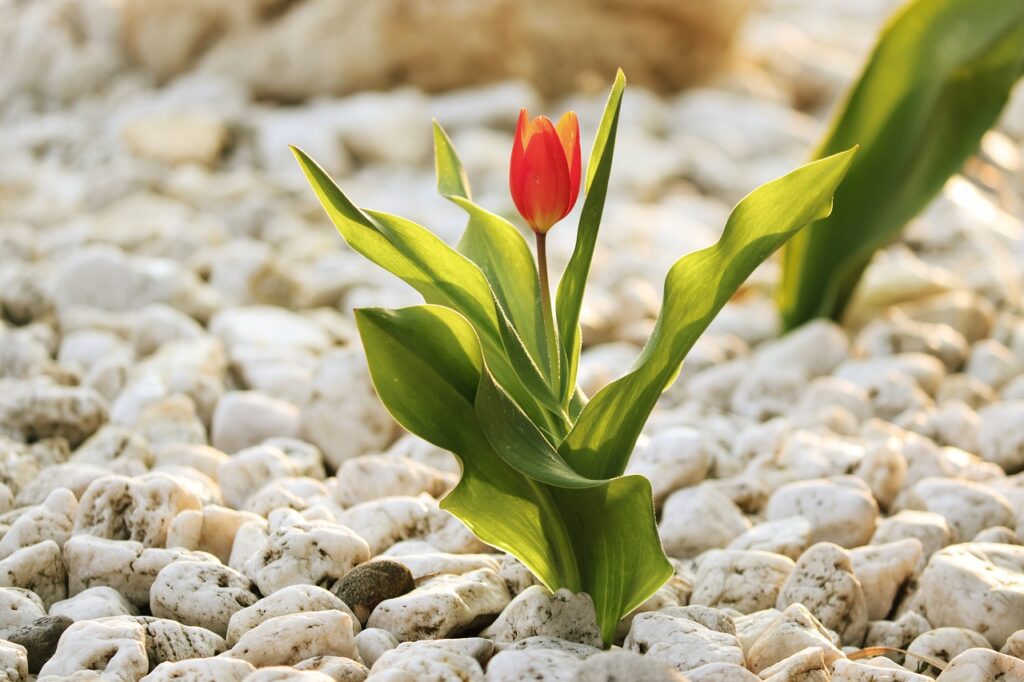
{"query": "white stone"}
(883, 570)
(823, 581)
(219, 668)
(171, 420)
(93, 603)
(420, 662)
(968, 507)
(245, 472)
(992, 363)
(31, 412)
(343, 416)
(896, 634)
(751, 626)
(386, 521)
(671, 459)
(210, 529)
(536, 611)
(792, 631)
(883, 468)
(200, 593)
(982, 664)
(944, 644)
(898, 334)
(140, 509)
(925, 371)
(543, 665)
(1001, 434)
(202, 458)
(295, 637)
(312, 553)
(372, 643)
(442, 606)
(806, 664)
(423, 561)
(817, 348)
(158, 324)
(102, 276)
(52, 520)
(13, 662)
(699, 518)
(840, 510)
(370, 477)
(291, 599)
(743, 580)
(19, 607)
(788, 536)
(116, 648)
(126, 566)
(246, 418)
(117, 448)
(176, 138)
(802, 455)
(979, 587)
(84, 347)
(335, 668)
(38, 568)
(292, 492)
(681, 642)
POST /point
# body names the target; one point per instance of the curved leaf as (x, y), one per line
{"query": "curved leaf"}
(696, 288)
(937, 79)
(442, 276)
(599, 537)
(498, 249)
(569, 299)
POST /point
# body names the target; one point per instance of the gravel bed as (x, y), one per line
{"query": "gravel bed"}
(197, 481)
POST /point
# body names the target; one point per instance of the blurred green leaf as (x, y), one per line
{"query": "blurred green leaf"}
(696, 288)
(936, 81)
(569, 299)
(595, 536)
(443, 276)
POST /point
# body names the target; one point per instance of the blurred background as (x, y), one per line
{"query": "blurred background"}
(145, 160)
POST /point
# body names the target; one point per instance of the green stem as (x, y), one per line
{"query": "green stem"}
(550, 333)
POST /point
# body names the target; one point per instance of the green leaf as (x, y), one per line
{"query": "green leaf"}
(936, 81)
(499, 250)
(696, 288)
(599, 537)
(442, 276)
(569, 299)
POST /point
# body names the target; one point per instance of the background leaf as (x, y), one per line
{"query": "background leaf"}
(599, 537)
(936, 81)
(696, 288)
(569, 298)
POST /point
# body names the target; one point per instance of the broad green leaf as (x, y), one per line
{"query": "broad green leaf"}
(935, 82)
(499, 250)
(442, 276)
(569, 299)
(599, 537)
(696, 288)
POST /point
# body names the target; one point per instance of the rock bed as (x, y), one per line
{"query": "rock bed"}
(197, 482)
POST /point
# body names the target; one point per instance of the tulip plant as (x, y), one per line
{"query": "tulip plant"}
(486, 368)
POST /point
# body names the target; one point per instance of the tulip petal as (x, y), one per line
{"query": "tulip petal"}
(569, 133)
(546, 184)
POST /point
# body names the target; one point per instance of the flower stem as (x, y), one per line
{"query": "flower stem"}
(550, 333)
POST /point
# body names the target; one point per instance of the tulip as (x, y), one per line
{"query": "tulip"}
(544, 173)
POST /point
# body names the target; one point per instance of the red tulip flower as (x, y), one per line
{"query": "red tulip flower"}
(545, 171)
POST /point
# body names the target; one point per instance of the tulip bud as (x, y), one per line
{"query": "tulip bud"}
(544, 174)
